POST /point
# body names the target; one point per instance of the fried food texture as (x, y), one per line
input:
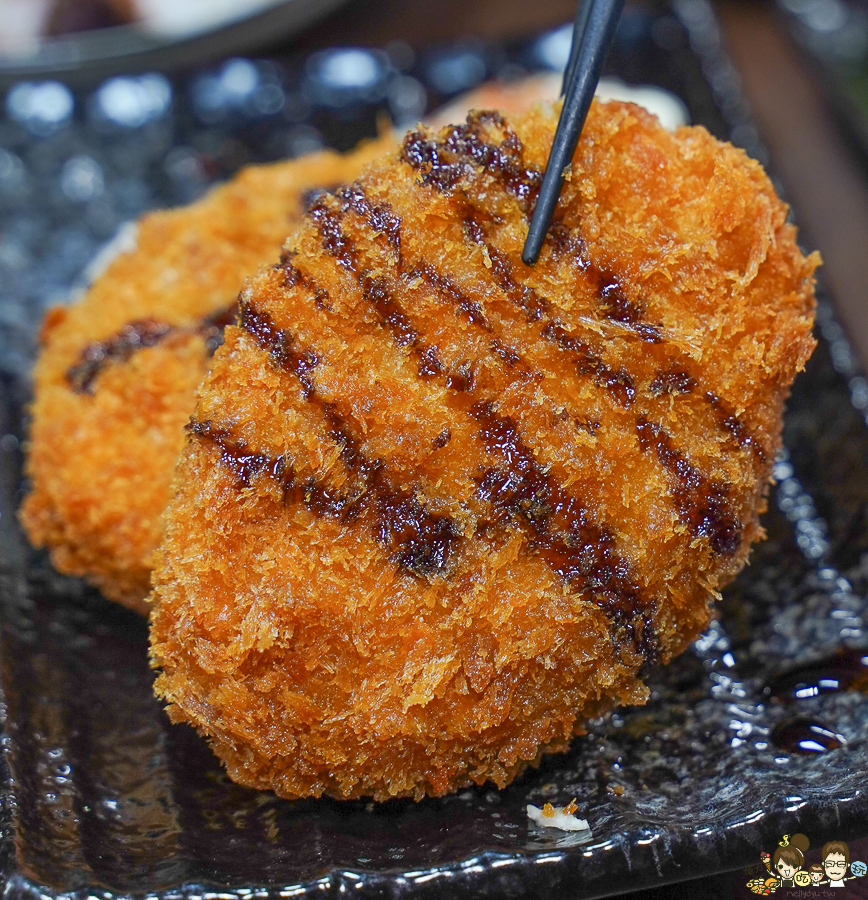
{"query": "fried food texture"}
(436, 507)
(117, 373)
(116, 378)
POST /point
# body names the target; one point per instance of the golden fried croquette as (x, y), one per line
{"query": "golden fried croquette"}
(116, 378)
(117, 374)
(436, 507)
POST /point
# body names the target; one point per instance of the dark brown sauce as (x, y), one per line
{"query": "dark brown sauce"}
(620, 309)
(847, 670)
(444, 160)
(808, 737)
(447, 288)
(415, 539)
(293, 277)
(702, 503)
(429, 363)
(390, 311)
(730, 422)
(618, 383)
(234, 453)
(565, 242)
(581, 552)
(136, 336)
(334, 241)
(430, 156)
(523, 296)
(281, 347)
(462, 377)
(442, 439)
(120, 347)
(673, 381)
(374, 288)
(235, 456)
(379, 216)
(593, 563)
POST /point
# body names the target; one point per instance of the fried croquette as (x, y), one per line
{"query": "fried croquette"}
(116, 378)
(117, 373)
(436, 508)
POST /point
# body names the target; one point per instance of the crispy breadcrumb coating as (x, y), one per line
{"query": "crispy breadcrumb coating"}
(117, 373)
(436, 508)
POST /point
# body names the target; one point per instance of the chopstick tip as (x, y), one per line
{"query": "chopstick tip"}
(530, 252)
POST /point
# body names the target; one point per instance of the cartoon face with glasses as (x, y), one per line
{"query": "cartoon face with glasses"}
(836, 858)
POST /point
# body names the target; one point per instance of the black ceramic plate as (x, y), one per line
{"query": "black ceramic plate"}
(102, 797)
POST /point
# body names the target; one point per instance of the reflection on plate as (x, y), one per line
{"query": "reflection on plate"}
(105, 797)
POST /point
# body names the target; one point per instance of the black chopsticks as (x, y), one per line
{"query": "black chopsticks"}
(594, 31)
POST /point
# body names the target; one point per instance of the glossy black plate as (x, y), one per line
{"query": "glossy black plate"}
(103, 798)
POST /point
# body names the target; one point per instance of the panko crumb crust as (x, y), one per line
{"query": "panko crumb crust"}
(436, 508)
(117, 372)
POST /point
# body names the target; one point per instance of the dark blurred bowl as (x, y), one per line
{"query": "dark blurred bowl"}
(89, 55)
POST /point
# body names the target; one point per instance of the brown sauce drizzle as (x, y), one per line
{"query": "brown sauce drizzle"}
(730, 422)
(415, 539)
(374, 288)
(581, 552)
(620, 309)
(118, 348)
(293, 277)
(846, 670)
(617, 382)
(136, 336)
(378, 216)
(444, 162)
(523, 296)
(334, 241)
(805, 736)
(236, 456)
(390, 312)
(234, 453)
(469, 308)
(673, 381)
(431, 156)
(701, 503)
(442, 439)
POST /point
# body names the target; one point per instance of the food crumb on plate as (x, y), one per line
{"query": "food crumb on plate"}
(564, 819)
